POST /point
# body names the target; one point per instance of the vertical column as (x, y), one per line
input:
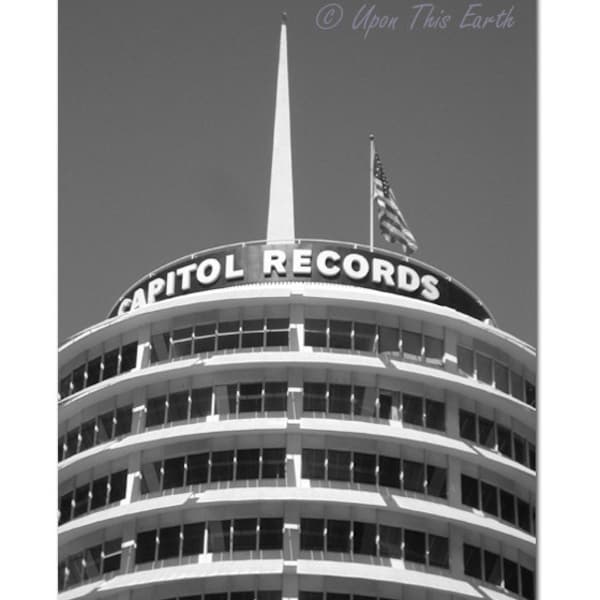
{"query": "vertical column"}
(457, 568)
(291, 552)
(296, 326)
(134, 474)
(454, 489)
(128, 547)
(450, 350)
(144, 346)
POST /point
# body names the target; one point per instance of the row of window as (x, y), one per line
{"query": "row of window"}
(498, 570)
(92, 432)
(304, 595)
(490, 371)
(210, 467)
(333, 535)
(366, 337)
(224, 335)
(90, 496)
(497, 502)
(358, 467)
(92, 562)
(100, 368)
(497, 437)
(221, 536)
(245, 595)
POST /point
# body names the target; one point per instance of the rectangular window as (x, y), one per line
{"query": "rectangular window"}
(105, 427)
(523, 515)
(273, 463)
(434, 350)
(218, 536)
(472, 561)
(118, 486)
(338, 535)
(312, 534)
(72, 442)
(486, 433)
(484, 368)
(82, 499)
(151, 476)
(414, 546)
(436, 481)
(470, 491)
(222, 466)
(520, 449)
(271, 534)
(389, 339)
(530, 393)
(364, 538)
(466, 361)
(314, 399)
(168, 542)
(385, 406)
(111, 364)
(414, 476)
(501, 377)
(253, 335)
(244, 534)
(174, 469)
(358, 401)
(65, 386)
(491, 562)
(364, 467)
(78, 379)
(160, 344)
(389, 471)
(248, 464)
(93, 371)
(504, 441)
(99, 489)
(112, 556)
(193, 539)
(201, 402)
(313, 464)
(178, 407)
(315, 333)
(468, 427)
(61, 447)
(228, 335)
(527, 584)
(340, 399)
(197, 468)
(65, 508)
(364, 337)
(340, 334)
(128, 357)
(123, 417)
(516, 385)
(88, 432)
(278, 332)
(250, 398)
(438, 551)
(489, 498)
(145, 547)
(507, 507)
(390, 541)
(93, 562)
(204, 338)
(338, 465)
(435, 415)
(532, 457)
(511, 576)
(155, 411)
(75, 567)
(412, 410)
(275, 396)
(412, 344)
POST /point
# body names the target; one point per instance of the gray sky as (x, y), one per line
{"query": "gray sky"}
(165, 129)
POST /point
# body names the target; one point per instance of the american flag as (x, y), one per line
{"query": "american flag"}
(392, 224)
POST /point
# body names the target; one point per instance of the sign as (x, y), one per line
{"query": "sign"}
(334, 262)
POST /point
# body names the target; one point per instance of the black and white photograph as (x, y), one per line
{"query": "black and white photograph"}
(297, 300)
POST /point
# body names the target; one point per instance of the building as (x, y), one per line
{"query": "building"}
(296, 419)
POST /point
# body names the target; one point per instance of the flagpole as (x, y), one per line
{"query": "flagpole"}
(371, 159)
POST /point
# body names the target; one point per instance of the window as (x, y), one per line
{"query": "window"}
(411, 344)
(78, 379)
(385, 406)
(435, 415)
(276, 396)
(472, 561)
(145, 547)
(313, 464)
(501, 377)
(466, 361)
(530, 393)
(128, 357)
(516, 385)
(364, 337)
(470, 491)
(340, 334)
(178, 407)
(93, 371)
(491, 562)
(244, 534)
(99, 489)
(364, 467)
(73, 442)
(248, 464)
(88, 432)
(364, 539)
(312, 535)
(434, 350)
(338, 536)
(414, 546)
(484, 368)
(193, 539)
(253, 333)
(390, 541)
(523, 515)
(93, 562)
(504, 441)
(250, 399)
(315, 397)
(520, 449)
(168, 542)
(486, 433)
(389, 471)
(278, 332)
(159, 348)
(197, 468)
(340, 399)
(201, 403)
(174, 469)
(527, 584)
(111, 364)
(338, 465)
(511, 575)
(75, 567)
(105, 427)
(82, 498)
(315, 332)
(151, 477)
(228, 335)
(414, 476)
(389, 339)
(273, 463)
(204, 337)
(489, 498)
(468, 427)
(65, 507)
(222, 466)
(532, 457)
(412, 409)
(155, 411)
(123, 418)
(271, 534)
(507, 507)
(436, 481)
(118, 486)
(438, 551)
(218, 536)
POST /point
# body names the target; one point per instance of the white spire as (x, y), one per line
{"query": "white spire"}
(280, 226)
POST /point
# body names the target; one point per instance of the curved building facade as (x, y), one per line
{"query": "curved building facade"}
(296, 419)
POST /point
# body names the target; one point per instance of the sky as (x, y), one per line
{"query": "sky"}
(166, 121)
